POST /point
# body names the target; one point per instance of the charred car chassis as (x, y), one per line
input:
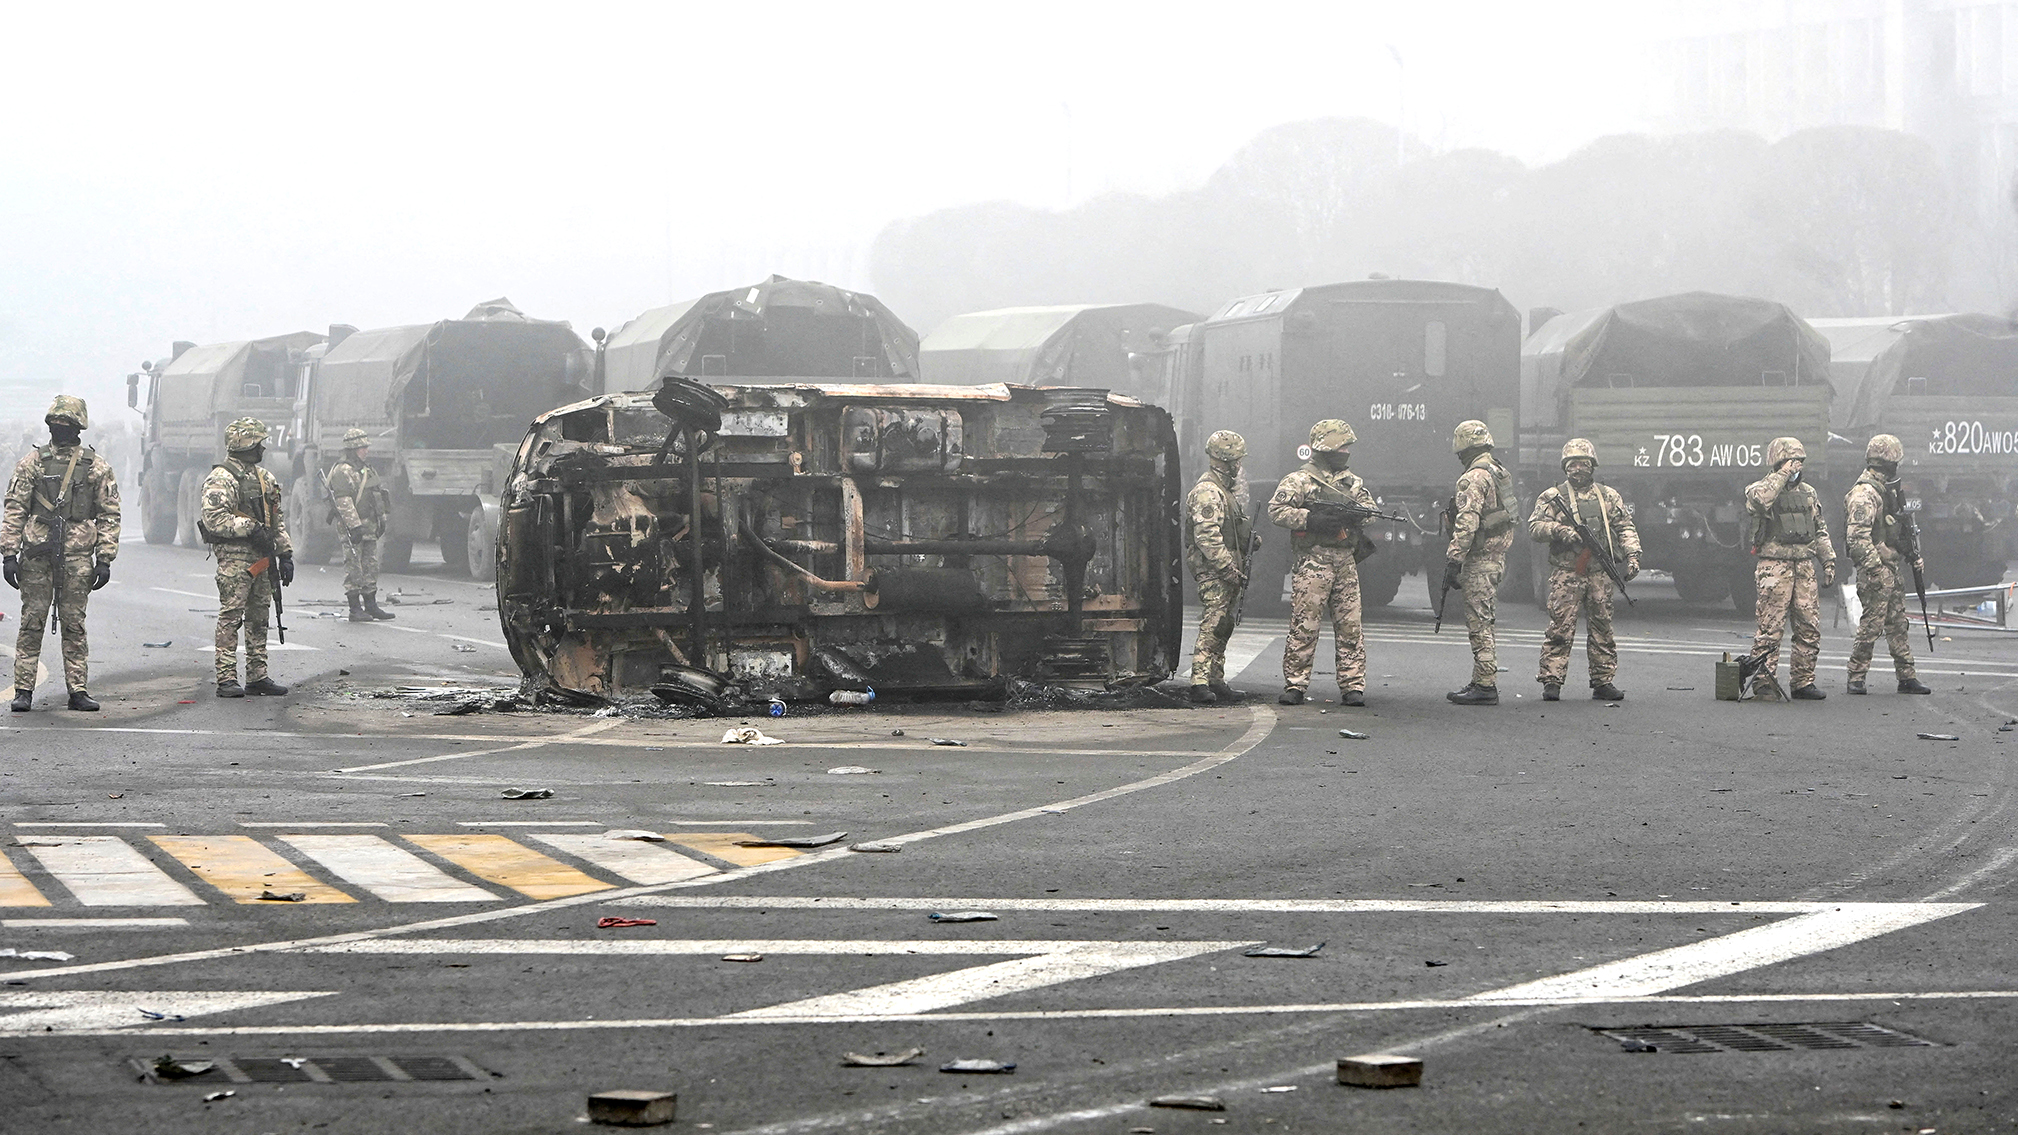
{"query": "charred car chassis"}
(787, 539)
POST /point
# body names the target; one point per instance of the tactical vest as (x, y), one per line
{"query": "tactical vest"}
(372, 500)
(249, 489)
(1886, 529)
(1497, 519)
(1239, 529)
(1591, 513)
(50, 486)
(1791, 521)
(1341, 484)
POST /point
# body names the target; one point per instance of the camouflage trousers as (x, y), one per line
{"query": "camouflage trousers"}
(360, 565)
(1217, 596)
(243, 601)
(1788, 589)
(1884, 601)
(38, 594)
(1325, 579)
(1480, 580)
(1591, 594)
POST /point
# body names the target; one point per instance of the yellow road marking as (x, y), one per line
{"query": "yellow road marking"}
(15, 889)
(243, 868)
(507, 862)
(722, 845)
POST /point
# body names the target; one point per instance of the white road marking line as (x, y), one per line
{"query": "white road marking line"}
(1261, 721)
(270, 646)
(191, 594)
(55, 1012)
(1726, 954)
(631, 859)
(392, 873)
(1244, 647)
(1269, 906)
(2002, 858)
(559, 739)
(85, 824)
(104, 870)
(407, 630)
(410, 1027)
(478, 641)
(92, 923)
(310, 824)
(705, 947)
(529, 823)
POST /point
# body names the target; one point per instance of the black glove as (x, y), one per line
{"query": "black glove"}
(1325, 517)
(261, 539)
(11, 568)
(354, 535)
(101, 574)
(286, 571)
(1453, 573)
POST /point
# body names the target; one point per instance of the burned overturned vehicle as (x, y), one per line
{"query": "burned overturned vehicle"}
(707, 543)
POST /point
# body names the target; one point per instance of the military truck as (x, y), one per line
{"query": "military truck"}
(445, 405)
(188, 401)
(1946, 386)
(1114, 346)
(1680, 395)
(1403, 361)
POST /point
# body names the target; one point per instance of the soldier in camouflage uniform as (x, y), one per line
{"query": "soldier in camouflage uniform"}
(243, 523)
(1482, 514)
(66, 478)
(1788, 535)
(1877, 539)
(1328, 547)
(360, 503)
(1218, 543)
(1576, 582)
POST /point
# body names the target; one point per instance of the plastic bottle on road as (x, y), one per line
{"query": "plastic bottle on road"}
(777, 708)
(852, 697)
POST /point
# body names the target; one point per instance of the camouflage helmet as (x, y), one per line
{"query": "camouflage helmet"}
(1470, 435)
(1885, 447)
(244, 434)
(1226, 445)
(1580, 447)
(354, 438)
(1784, 449)
(70, 409)
(1330, 436)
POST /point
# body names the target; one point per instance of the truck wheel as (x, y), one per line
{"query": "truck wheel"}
(314, 541)
(454, 548)
(482, 541)
(1699, 584)
(396, 554)
(188, 506)
(157, 509)
(1378, 583)
(1744, 589)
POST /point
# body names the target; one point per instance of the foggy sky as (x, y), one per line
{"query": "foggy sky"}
(235, 171)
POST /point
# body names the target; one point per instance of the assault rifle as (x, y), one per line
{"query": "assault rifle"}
(1446, 524)
(1595, 550)
(263, 543)
(1909, 525)
(1337, 516)
(1246, 567)
(59, 535)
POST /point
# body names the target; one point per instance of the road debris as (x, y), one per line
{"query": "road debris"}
(982, 1066)
(795, 840)
(1190, 1103)
(851, 697)
(882, 1059)
(851, 770)
(1282, 951)
(528, 793)
(1355, 735)
(631, 1108)
(742, 957)
(1380, 1070)
(169, 1068)
(896, 732)
(1433, 964)
(962, 916)
(737, 783)
(881, 845)
(748, 735)
(634, 833)
(36, 955)
(613, 922)
(1279, 1088)
(949, 742)
(405, 794)
(154, 1016)
(462, 648)
(290, 896)
(159, 645)
(1938, 737)
(215, 1096)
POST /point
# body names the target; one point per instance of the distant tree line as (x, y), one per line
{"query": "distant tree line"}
(1836, 220)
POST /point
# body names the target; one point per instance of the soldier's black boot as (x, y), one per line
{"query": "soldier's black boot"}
(24, 700)
(357, 613)
(1551, 692)
(265, 687)
(229, 688)
(372, 608)
(1808, 693)
(1291, 695)
(1475, 694)
(1201, 695)
(1913, 686)
(1352, 697)
(1607, 692)
(79, 700)
(1226, 694)
(1855, 686)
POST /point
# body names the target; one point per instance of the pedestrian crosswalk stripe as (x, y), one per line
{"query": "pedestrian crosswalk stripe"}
(15, 889)
(635, 861)
(722, 845)
(390, 872)
(497, 859)
(104, 870)
(243, 868)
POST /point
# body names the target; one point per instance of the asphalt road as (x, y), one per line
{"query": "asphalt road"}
(1491, 885)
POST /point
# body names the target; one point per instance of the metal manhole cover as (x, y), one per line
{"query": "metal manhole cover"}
(1763, 1037)
(323, 1070)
